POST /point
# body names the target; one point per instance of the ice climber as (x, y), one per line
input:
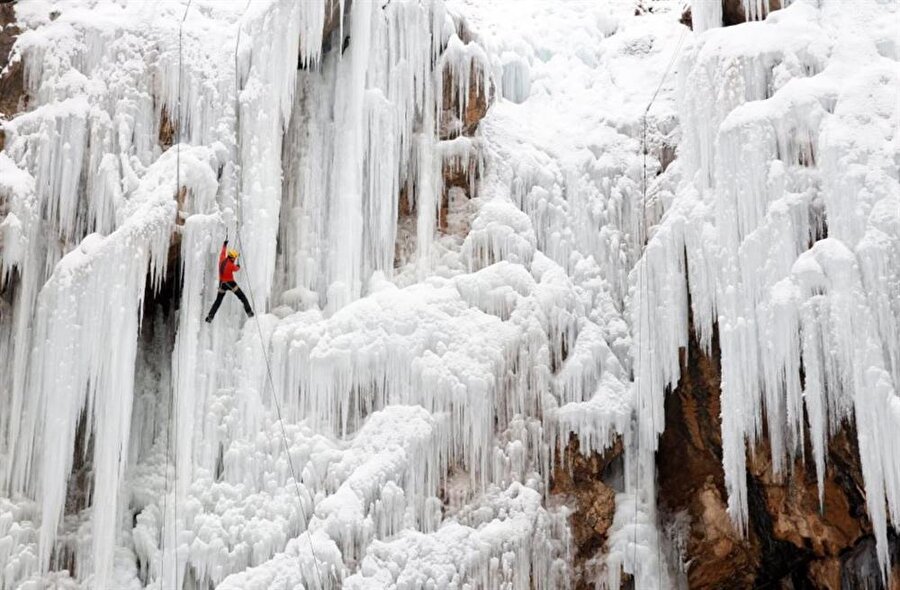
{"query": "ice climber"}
(227, 267)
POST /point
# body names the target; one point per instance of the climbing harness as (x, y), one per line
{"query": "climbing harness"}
(644, 237)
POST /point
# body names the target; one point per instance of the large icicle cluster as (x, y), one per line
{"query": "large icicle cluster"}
(563, 182)
(789, 215)
(144, 445)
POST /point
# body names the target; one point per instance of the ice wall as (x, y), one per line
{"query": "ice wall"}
(409, 394)
(93, 209)
(150, 137)
(363, 130)
(788, 217)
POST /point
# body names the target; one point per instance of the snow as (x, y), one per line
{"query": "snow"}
(393, 415)
(786, 142)
(485, 549)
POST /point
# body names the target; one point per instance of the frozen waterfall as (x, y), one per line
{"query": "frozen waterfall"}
(473, 232)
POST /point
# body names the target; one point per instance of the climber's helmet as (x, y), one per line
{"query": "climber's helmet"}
(233, 254)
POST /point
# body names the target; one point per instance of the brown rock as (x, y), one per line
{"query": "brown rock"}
(8, 32)
(826, 573)
(477, 102)
(166, 137)
(690, 477)
(406, 227)
(333, 21)
(406, 208)
(791, 539)
(456, 174)
(822, 534)
(686, 17)
(13, 98)
(582, 481)
(732, 12)
(333, 16)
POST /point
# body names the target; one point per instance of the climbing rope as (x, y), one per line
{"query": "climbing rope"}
(172, 417)
(240, 184)
(644, 237)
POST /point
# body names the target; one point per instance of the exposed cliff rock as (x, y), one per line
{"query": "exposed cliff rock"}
(691, 480)
(459, 171)
(332, 27)
(587, 484)
(733, 12)
(459, 176)
(166, 137)
(13, 97)
(792, 542)
(461, 121)
(477, 102)
(814, 537)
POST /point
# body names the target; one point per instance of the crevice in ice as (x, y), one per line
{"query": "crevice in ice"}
(78, 493)
(164, 295)
(166, 135)
(330, 31)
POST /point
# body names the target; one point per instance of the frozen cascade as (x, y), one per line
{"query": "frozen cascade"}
(789, 140)
(429, 371)
(83, 164)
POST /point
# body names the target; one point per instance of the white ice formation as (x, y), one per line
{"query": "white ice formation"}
(392, 418)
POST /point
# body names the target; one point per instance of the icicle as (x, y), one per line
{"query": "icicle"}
(266, 102)
(516, 81)
(347, 221)
(499, 232)
(72, 307)
(764, 162)
(706, 14)
(428, 191)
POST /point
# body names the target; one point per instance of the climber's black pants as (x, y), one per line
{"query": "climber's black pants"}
(224, 288)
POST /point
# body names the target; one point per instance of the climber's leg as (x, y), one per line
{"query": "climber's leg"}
(217, 303)
(243, 298)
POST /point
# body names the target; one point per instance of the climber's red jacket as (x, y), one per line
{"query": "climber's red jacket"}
(227, 266)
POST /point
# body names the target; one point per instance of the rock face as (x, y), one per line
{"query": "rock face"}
(459, 175)
(461, 121)
(814, 538)
(476, 107)
(732, 12)
(792, 542)
(691, 480)
(333, 21)
(13, 98)
(587, 484)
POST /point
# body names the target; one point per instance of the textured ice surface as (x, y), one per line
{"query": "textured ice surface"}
(787, 213)
(426, 381)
